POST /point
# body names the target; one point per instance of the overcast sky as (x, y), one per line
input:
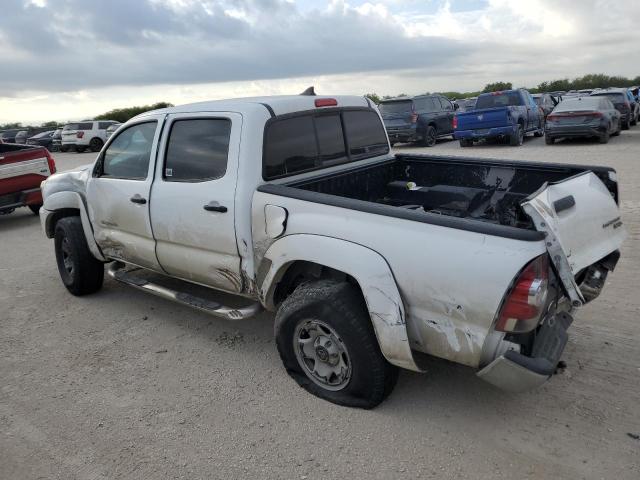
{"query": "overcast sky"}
(71, 59)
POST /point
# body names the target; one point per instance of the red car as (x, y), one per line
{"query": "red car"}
(22, 169)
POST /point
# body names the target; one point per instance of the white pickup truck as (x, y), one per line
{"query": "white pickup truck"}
(371, 260)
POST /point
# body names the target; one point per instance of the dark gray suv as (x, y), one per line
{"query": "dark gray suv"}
(422, 119)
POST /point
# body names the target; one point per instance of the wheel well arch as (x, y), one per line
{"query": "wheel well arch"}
(56, 216)
(301, 271)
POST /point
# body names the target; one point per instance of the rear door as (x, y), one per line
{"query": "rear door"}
(193, 199)
(118, 194)
(582, 222)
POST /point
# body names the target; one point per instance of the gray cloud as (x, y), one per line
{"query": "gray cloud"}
(120, 42)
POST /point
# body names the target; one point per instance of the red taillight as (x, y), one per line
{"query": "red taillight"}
(523, 305)
(414, 117)
(455, 122)
(326, 102)
(51, 162)
(80, 134)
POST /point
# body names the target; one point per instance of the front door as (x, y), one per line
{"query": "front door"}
(193, 199)
(118, 194)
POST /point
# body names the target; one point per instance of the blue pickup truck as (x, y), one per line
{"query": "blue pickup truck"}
(509, 114)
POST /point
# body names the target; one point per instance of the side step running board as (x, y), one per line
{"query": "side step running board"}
(117, 271)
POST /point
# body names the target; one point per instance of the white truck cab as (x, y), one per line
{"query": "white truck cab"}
(370, 259)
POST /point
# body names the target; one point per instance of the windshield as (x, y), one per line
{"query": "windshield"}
(78, 126)
(615, 97)
(402, 106)
(498, 99)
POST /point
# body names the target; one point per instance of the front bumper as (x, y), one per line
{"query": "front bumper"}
(515, 372)
(481, 133)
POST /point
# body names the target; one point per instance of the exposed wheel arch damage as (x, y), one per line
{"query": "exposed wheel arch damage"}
(293, 257)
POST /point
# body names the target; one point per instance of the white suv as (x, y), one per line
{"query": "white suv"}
(82, 135)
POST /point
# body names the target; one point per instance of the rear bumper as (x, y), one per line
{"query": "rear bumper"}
(514, 372)
(575, 131)
(481, 133)
(403, 135)
(32, 196)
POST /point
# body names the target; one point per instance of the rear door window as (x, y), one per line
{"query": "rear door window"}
(290, 147)
(198, 150)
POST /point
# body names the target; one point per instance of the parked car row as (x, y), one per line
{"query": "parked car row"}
(78, 136)
(510, 115)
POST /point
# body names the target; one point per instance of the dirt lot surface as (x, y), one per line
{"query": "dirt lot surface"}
(125, 385)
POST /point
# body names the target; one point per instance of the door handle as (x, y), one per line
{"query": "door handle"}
(215, 207)
(138, 199)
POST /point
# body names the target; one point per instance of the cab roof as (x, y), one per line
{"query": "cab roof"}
(279, 105)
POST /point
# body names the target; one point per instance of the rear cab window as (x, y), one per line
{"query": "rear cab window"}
(499, 99)
(396, 106)
(315, 140)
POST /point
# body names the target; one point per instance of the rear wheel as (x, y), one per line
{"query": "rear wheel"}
(80, 148)
(549, 140)
(538, 133)
(626, 125)
(95, 144)
(465, 142)
(64, 148)
(327, 344)
(79, 270)
(517, 139)
(604, 137)
(429, 137)
(618, 130)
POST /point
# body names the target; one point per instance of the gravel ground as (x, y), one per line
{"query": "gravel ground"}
(125, 385)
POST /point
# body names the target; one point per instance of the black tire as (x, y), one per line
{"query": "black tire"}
(80, 271)
(340, 306)
(430, 137)
(626, 125)
(80, 148)
(35, 209)
(517, 139)
(634, 120)
(604, 137)
(538, 133)
(465, 142)
(618, 130)
(64, 148)
(549, 140)
(95, 145)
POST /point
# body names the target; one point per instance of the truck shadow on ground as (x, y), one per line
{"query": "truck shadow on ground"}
(445, 386)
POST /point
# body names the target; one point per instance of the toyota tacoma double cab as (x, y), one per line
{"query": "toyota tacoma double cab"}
(508, 114)
(372, 261)
(22, 170)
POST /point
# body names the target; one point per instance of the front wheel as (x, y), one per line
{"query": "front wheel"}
(465, 142)
(517, 139)
(79, 270)
(327, 344)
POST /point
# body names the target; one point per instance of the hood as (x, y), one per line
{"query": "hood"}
(69, 181)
